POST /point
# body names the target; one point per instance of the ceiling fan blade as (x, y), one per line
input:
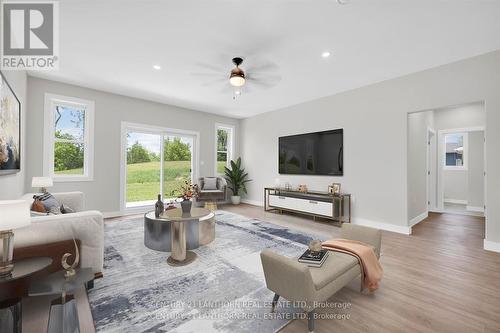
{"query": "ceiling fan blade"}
(265, 67)
(211, 67)
(214, 81)
(266, 82)
(204, 74)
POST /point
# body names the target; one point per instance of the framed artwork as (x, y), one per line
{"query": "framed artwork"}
(334, 188)
(10, 129)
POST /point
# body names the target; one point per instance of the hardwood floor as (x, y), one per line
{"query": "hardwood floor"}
(437, 280)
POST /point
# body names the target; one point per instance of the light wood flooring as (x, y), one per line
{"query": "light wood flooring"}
(437, 280)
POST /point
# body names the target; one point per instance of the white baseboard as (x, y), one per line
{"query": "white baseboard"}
(108, 215)
(456, 201)
(384, 226)
(416, 220)
(367, 223)
(491, 246)
(475, 209)
(253, 202)
(128, 211)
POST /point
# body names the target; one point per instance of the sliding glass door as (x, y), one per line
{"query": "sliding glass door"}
(177, 163)
(143, 168)
(158, 162)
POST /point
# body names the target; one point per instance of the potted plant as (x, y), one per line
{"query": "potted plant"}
(237, 179)
(187, 191)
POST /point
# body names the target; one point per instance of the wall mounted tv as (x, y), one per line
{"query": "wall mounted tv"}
(319, 153)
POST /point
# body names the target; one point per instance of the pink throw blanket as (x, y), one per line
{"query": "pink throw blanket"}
(371, 269)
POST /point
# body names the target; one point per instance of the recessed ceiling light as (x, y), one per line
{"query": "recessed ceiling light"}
(325, 54)
(157, 67)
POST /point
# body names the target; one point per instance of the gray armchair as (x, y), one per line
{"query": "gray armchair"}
(212, 193)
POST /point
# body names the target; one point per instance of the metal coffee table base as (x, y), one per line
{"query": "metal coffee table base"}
(10, 316)
(190, 257)
(63, 316)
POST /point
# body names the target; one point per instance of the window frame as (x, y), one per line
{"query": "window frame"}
(230, 143)
(465, 154)
(51, 100)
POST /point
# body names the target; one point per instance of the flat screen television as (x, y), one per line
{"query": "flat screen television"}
(319, 153)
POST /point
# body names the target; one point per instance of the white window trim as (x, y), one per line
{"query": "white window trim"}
(230, 149)
(49, 138)
(465, 153)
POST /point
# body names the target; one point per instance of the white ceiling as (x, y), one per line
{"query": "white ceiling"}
(112, 46)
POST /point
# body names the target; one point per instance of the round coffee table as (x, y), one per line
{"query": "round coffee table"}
(177, 233)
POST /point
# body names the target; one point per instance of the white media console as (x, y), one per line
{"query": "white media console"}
(317, 204)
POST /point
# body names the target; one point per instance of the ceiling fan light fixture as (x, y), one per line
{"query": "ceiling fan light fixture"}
(237, 77)
(237, 81)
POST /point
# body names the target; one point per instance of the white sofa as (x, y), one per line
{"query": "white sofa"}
(87, 226)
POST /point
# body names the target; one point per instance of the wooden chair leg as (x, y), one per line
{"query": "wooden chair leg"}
(275, 301)
(310, 321)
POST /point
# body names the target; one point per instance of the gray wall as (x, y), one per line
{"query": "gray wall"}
(418, 124)
(12, 186)
(455, 185)
(374, 119)
(468, 115)
(110, 110)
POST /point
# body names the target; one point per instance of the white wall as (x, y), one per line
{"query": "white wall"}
(374, 119)
(418, 125)
(110, 110)
(12, 186)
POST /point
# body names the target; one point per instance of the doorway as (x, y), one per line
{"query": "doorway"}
(462, 171)
(155, 161)
(446, 162)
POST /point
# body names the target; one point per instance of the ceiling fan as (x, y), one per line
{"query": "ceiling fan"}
(260, 76)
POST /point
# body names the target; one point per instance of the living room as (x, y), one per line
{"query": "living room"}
(131, 112)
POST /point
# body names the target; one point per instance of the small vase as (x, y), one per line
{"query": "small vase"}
(186, 206)
(159, 207)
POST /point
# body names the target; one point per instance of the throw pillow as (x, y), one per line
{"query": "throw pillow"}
(210, 183)
(49, 202)
(37, 206)
(66, 210)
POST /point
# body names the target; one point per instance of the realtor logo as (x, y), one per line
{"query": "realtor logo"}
(30, 35)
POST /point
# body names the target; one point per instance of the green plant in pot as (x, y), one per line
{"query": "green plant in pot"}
(186, 192)
(237, 179)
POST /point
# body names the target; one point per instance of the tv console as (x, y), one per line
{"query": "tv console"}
(335, 207)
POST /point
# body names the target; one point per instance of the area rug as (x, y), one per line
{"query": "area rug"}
(222, 291)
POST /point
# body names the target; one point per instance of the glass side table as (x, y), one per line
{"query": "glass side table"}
(63, 316)
(13, 287)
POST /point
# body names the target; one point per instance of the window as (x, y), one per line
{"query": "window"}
(224, 147)
(455, 151)
(68, 142)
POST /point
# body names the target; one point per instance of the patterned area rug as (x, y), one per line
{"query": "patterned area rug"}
(222, 291)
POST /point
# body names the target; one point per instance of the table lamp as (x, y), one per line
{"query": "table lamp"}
(42, 183)
(14, 214)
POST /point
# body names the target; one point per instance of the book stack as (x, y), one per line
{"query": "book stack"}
(314, 259)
